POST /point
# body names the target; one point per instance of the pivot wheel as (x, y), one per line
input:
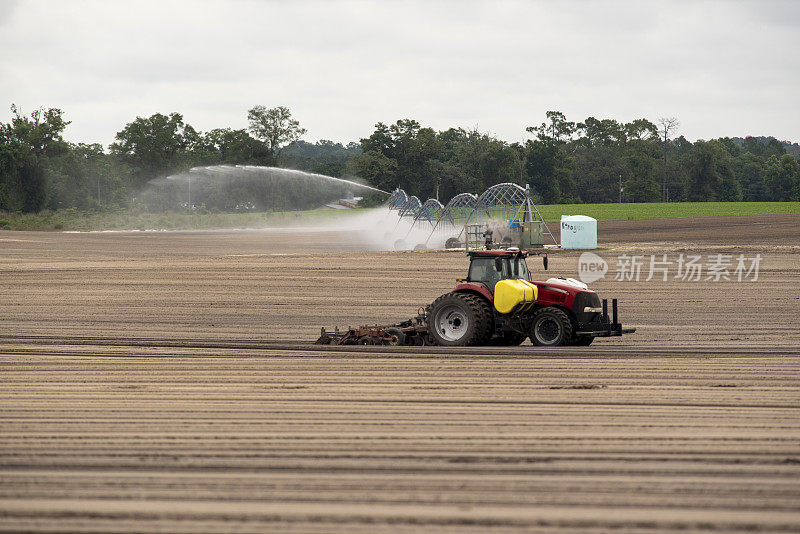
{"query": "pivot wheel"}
(452, 242)
(460, 319)
(551, 327)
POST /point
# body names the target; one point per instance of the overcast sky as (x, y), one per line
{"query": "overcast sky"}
(722, 68)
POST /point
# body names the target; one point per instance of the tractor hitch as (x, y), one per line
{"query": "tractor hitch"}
(605, 326)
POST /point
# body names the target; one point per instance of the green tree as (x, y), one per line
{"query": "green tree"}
(749, 171)
(451, 180)
(87, 178)
(641, 155)
(730, 145)
(155, 146)
(782, 178)
(376, 168)
(237, 147)
(41, 133)
(710, 174)
(549, 171)
(548, 164)
(408, 150)
(453, 173)
(275, 127)
(605, 132)
(482, 159)
(641, 189)
(323, 157)
(641, 130)
(774, 148)
(33, 185)
(597, 172)
(558, 129)
(26, 143)
(763, 146)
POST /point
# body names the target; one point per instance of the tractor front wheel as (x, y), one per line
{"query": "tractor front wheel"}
(460, 319)
(551, 327)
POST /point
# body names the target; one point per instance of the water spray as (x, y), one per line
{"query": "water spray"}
(243, 188)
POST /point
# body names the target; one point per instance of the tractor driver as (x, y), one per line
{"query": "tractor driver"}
(484, 270)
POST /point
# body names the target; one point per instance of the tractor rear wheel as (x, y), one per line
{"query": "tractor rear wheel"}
(551, 327)
(460, 319)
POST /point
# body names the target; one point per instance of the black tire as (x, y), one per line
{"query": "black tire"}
(486, 325)
(460, 319)
(452, 242)
(582, 341)
(396, 337)
(551, 327)
(365, 340)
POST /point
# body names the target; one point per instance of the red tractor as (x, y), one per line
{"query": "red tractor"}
(499, 304)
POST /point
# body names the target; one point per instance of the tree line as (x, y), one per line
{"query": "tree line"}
(596, 160)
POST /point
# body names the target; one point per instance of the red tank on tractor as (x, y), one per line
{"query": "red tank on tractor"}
(499, 304)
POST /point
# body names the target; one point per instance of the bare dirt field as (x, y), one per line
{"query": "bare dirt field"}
(165, 382)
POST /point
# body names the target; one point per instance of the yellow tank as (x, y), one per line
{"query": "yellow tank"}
(511, 295)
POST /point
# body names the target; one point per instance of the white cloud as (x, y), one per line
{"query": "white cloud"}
(722, 68)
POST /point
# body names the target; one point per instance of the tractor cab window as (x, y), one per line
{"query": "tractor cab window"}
(485, 270)
(520, 269)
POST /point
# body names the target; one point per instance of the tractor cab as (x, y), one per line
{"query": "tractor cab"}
(490, 266)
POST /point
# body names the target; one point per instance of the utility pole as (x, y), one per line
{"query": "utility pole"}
(620, 188)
